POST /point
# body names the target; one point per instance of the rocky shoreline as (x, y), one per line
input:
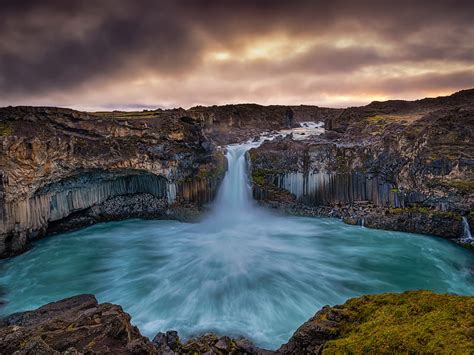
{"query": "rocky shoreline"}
(411, 322)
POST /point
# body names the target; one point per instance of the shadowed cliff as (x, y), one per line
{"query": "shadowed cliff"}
(395, 165)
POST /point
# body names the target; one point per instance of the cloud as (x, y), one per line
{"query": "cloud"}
(89, 54)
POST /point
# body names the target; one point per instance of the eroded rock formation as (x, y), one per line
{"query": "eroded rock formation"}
(62, 168)
(76, 325)
(405, 166)
(395, 165)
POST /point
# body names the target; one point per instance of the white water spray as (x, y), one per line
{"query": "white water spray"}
(467, 236)
(234, 196)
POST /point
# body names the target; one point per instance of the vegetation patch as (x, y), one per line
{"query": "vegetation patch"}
(259, 176)
(466, 186)
(212, 171)
(428, 211)
(5, 129)
(413, 322)
(128, 114)
(376, 118)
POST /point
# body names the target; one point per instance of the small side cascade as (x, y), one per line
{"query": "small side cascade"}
(466, 234)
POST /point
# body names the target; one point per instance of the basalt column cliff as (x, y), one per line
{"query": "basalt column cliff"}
(63, 169)
(397, 165)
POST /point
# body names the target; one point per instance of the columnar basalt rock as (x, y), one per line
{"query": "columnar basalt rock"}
(63, 168)
(395, 165)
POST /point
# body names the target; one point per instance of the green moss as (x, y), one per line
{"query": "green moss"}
(257, 179)
(462, 185)
(5, 129)
(412, 322)
(376, 118)
(394, 190)
(128, 114)
(395, 210)
(213, 170)
(428, 211)
(259, 176)
(471, 214)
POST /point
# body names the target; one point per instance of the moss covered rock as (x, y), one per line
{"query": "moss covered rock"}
(411, 322)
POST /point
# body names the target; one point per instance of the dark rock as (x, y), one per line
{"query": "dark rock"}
(169, 343)
(74, 325)
(224, 344)
(395, 165)
(71, 169)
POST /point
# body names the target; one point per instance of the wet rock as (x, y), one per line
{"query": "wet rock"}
(224, 344)
(167, 341)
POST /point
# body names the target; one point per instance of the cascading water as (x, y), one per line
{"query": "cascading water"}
(466, 236)
(242, 271)
(234, 198)
(234, 202)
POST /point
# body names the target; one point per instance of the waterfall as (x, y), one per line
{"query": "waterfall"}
(466, 235)
(234, 200)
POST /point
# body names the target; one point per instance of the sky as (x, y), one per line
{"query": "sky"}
(145, 54)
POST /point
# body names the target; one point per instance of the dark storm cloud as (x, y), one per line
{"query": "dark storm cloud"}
(57, 46)
(59, 55)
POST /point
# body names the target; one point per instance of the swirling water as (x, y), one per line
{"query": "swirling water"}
(242, 271)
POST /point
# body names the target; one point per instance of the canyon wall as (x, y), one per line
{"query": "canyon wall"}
(64, 169)
(395, 165)
(237, 123)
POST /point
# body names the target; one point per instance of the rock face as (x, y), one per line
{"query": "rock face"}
(63, 169)
(412, 322)
(75, 325)
(237, 123)
(405, 166)
(396, 165)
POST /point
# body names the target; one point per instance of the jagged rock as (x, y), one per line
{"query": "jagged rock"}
(410, 322)
(236, 123)
(169, 344)
(63, 169)
(398, 165)
(74, 325)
